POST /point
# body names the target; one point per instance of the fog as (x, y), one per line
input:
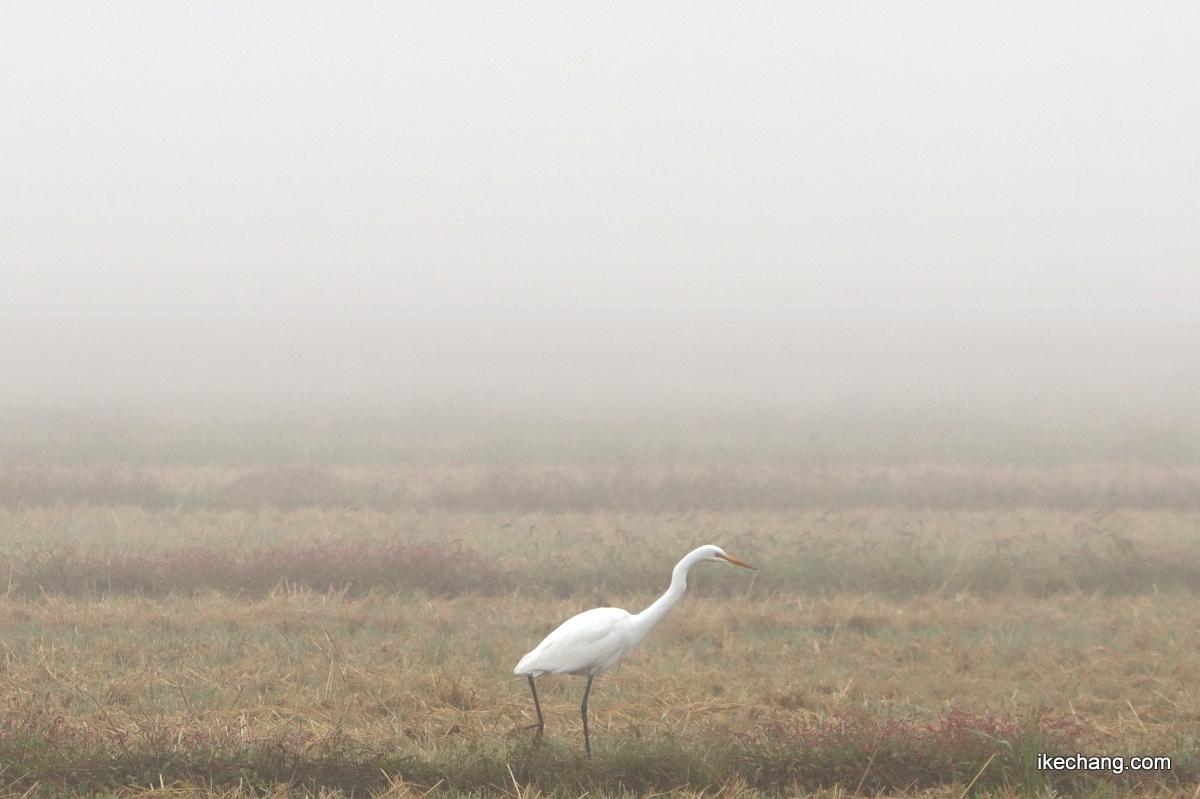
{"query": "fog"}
(827, 206)
(588, 364)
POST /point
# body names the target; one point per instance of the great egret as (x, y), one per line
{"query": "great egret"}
(595, 640)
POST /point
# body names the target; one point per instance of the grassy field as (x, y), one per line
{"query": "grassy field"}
(332, 649)
(915, 629)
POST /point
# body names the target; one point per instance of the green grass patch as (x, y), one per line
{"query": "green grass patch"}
(40, 747)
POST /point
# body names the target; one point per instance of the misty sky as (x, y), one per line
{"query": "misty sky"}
(677, 203)
(602, 158)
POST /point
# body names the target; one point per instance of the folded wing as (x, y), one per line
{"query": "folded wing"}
(590, 643)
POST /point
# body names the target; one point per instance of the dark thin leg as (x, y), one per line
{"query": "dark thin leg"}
(541, 723)
(587, 744)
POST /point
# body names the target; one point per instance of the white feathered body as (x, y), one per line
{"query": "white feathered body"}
(590, 643)
(596, 640)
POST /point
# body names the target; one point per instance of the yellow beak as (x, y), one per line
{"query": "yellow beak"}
(736, 562)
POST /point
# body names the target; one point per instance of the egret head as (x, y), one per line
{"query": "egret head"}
(718, 555)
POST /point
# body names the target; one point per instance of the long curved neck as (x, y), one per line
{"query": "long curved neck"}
(649, 618)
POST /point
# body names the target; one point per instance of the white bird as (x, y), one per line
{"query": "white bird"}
(596, 640)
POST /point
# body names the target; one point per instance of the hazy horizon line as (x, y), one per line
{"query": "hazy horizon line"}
(616, 312)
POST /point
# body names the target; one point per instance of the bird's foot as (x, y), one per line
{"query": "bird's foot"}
(539, 727)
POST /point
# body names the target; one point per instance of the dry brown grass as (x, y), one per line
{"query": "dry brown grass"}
(899, 552)
(431, 674)
(706, 484)
(435, 674)
(440, 669)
